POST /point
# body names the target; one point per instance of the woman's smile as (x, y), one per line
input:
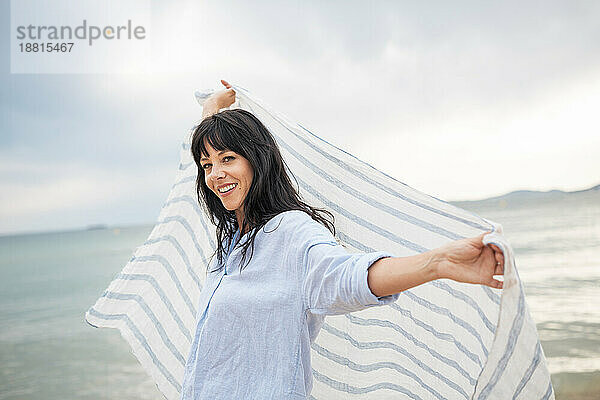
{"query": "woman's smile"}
(226, 190)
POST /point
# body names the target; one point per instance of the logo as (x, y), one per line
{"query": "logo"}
(85, 32)
(83, 36)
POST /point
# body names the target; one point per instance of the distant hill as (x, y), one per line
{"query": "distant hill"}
(96, 227)
(523, 197)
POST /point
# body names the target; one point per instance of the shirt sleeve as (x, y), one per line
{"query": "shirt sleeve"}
(335, 281)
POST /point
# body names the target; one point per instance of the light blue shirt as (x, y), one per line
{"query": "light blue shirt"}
(254, 328)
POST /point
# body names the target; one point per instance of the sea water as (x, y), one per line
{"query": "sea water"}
(49, 280)
(557, 252)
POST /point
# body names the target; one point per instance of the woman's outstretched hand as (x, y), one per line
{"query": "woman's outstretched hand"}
(218, 100)
(466, 260)
(471, 261)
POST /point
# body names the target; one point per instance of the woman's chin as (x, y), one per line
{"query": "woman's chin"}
(229, 207)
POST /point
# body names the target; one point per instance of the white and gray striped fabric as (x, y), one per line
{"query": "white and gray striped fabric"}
(441, 340)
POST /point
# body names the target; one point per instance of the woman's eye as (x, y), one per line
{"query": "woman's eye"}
(205, 166)
(228, 157)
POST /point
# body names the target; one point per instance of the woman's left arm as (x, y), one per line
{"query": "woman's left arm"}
(466, 260)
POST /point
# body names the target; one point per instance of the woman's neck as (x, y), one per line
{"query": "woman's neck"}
(239, 215)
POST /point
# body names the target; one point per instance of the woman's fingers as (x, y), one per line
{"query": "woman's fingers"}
(499, 270)
(227, 85)
(499, 258)
(224, 98)
(495, 284)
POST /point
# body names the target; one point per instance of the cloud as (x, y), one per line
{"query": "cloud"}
(539, 143)
(416, 89)
(36, 192)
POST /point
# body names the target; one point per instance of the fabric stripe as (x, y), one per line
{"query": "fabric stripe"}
(439, 335)
(360, 221)
(369, 201)
(548, 391)
(190, 178)
(171, 239)
(171, 271)
(344, 387)
(387, 189)
(186, 225)
(492, 296)
(142, 341)
(373, 367)
(375, 322)
(527, 376)
(191, 201)
(392, 346)
(183, 167)
(512, 340)
(447, 313)
(152, 317)
(163, 297)
(467, 299)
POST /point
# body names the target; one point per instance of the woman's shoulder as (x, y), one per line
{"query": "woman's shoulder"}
(297, 225)
(291, 219)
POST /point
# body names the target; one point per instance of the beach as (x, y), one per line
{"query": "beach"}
(49, 280)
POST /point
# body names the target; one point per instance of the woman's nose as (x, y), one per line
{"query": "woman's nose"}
(217, 172)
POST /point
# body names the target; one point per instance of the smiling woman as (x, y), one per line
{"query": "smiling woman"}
(241, 182)
(295, 267)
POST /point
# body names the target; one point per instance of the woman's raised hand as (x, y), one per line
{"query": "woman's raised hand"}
(218, 100)
(471, 261)
(224, 98)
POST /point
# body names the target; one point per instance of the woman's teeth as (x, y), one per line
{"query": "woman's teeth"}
(227, 188)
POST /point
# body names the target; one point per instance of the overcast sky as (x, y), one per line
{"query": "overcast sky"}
(461, 100)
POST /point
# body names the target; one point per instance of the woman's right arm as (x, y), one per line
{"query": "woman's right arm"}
(218, 100)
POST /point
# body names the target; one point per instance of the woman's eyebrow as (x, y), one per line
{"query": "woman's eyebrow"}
(219, 153)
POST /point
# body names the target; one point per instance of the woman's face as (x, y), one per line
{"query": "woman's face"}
(229, 176)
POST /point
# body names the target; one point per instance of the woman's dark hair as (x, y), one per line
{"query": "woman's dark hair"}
(271, 191)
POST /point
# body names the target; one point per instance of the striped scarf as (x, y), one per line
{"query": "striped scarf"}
(441, 340)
